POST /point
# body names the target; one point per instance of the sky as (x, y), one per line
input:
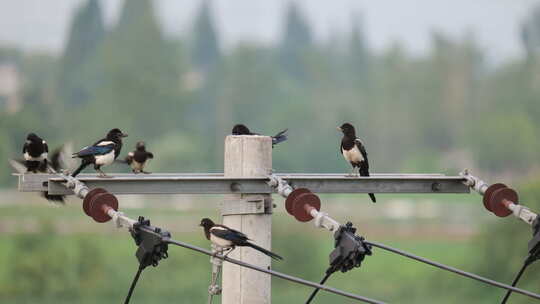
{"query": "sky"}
(43, 25)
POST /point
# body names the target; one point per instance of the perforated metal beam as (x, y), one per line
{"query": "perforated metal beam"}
(216, 183)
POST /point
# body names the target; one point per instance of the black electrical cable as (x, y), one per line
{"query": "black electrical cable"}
(133, 283)
(275, 273)
(455, 270)
(527, 262)
(314, 293)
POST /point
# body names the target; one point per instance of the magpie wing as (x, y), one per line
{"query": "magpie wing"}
(228, 234)
(95, 150)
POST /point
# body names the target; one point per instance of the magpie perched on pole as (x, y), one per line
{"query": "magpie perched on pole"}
(35, 153)
(354, 152)
(228, 238)
(241, 129)
(139, 158)
(101, 153)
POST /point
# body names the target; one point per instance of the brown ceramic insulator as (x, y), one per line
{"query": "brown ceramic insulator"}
(500, 199)
(88, 198)
(99, 206)
(489, 192)
(303, 204)
(292, 196)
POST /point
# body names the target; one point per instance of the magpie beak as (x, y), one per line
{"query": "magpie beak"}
(340, 129)
(123, 135)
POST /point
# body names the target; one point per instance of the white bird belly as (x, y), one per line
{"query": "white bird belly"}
(220, 242)
(106, 159)
(137, 166)
(28, 157)
(353, 155)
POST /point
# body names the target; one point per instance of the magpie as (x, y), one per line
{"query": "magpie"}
(101, 153)
(228, 238)
(354, 152)
(35, 153)
(56, 164)
(138, 158)
(241, 129)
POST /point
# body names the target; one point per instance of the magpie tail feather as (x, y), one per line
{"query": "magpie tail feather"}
(372, 196)
(81, 167)
(280, 137)
(267, 252)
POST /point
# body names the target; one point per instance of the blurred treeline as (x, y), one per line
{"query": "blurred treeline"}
(440, 112)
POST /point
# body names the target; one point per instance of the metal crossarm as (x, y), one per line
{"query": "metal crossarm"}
(216, 183)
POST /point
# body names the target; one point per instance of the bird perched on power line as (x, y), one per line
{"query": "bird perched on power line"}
(241, 129)
(35, 153)
(354, 152)
(139, 158)
(101, 153)
(227, 238)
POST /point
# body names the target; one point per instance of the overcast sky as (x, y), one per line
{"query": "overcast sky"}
(42, 25)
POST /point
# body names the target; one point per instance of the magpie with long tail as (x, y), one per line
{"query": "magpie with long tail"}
(35, 152)
(138, 159)
(354, 152)
(227, 238)
(101, 153)
(241, 129)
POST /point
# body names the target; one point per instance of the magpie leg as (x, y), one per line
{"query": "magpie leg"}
(101, 173)
(351, 174)
(229, 251)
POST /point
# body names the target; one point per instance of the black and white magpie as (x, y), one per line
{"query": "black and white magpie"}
(139, 158)
(228, 238)
(35, 153)
(101, 153)
(354, 152)
(241, 129)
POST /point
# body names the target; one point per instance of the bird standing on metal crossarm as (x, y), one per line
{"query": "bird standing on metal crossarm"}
(101, 153)
(35, 153)
(354, 152)
(139, 158)
(227, 238)
(241, 129)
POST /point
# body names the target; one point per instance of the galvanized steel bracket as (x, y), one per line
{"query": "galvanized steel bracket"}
(249, 204)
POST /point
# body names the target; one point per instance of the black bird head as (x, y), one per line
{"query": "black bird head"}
(140, 146)
(32, 137)
(115, 134)
(240, 129)
(347, 129)
(206, 223)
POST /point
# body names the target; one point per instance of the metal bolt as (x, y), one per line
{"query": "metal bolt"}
(436, 187)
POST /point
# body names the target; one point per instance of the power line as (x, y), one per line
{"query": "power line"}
(275, 273)
(527, 262)
(455, 270)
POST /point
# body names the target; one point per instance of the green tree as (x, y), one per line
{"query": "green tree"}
(76, 79)
(295, 43)
(140, 91)
(205, 52)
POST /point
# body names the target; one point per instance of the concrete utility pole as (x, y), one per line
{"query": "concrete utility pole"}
(248, 157)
